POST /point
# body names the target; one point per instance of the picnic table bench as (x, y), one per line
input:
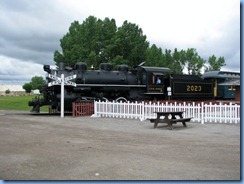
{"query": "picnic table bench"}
(169, 121)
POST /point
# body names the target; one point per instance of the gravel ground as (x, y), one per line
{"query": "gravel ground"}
(43, 147)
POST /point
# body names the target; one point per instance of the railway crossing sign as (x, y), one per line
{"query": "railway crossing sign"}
(54, 83)
(68, 82)
(62, 81)
(58, 80)
(54, 77)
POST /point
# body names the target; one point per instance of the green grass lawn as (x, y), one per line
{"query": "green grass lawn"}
(17, 103)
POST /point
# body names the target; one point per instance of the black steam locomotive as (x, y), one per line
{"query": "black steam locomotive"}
(136, 84)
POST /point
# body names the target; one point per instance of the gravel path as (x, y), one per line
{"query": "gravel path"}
(43, 147)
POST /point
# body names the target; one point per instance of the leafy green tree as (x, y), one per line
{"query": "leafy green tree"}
(172, 61)
(89, 42)
(27, 87)
(37, 82)
(96, 41)
(7, 91)
(118, 60)
(214, 63)
(130, 43)
(154, 56)
(193, 62)
(177, 65)
(168, 59)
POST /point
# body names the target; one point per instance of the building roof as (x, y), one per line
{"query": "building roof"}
(233, 82)
(3, 88)
(221, 74)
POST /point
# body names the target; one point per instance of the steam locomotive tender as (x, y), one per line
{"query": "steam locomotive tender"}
(139, 83)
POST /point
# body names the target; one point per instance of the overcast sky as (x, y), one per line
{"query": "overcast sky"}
(31, 29)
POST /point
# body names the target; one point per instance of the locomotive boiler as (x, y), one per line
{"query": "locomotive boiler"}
(104, 84)
(136, 84)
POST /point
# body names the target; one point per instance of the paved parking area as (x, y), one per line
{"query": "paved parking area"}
(42, 147)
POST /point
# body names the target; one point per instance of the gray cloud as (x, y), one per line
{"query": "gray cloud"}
(31, 30)
(29, 34)
(224, 44)
(16, 71)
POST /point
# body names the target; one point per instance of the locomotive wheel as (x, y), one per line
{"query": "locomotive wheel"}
(121, 99)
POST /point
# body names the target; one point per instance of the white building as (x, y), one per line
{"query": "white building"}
(15, 90)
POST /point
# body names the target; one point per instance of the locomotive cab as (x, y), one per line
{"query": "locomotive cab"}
(154, 79)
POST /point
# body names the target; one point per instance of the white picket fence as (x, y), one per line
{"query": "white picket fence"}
(200, 112)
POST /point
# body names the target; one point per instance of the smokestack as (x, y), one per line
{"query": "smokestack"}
(61, 65)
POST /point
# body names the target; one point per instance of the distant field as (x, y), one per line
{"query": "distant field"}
(17, 103)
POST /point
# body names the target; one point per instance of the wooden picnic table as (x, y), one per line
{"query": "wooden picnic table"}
(172, 120)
